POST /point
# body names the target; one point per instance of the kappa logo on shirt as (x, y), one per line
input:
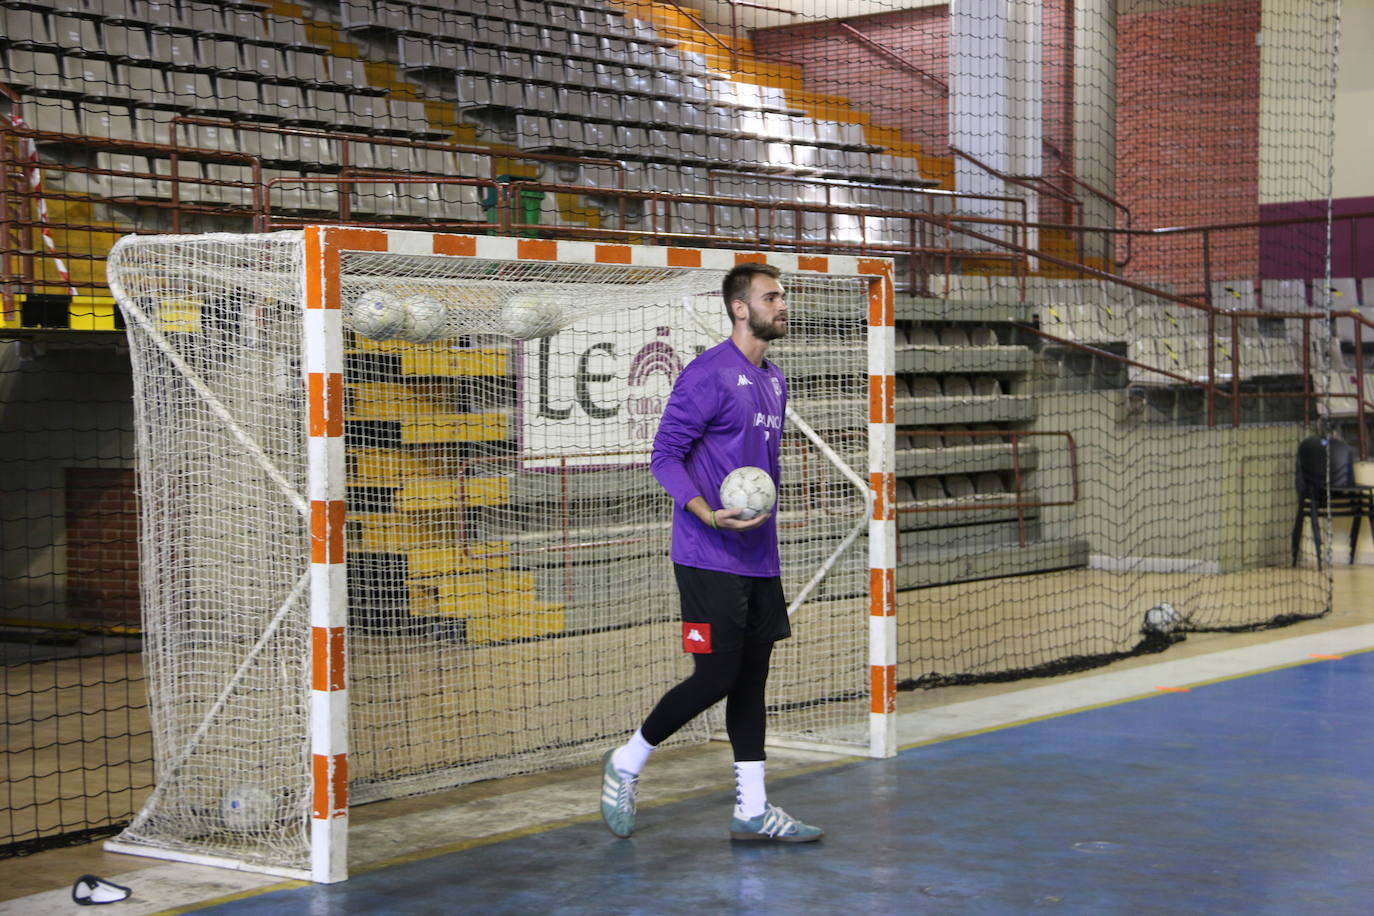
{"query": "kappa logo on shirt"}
(743, 380)
(696, 638)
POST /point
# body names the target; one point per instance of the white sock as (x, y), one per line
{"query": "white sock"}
(631, 757)
(751, 798)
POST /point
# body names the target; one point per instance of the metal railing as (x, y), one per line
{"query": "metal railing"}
(949, 240)
(1207, 234)
(732, 46)
(891, 56)
(1019, 502)
(1212, 383)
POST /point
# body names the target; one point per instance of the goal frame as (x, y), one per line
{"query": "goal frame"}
(322, 332)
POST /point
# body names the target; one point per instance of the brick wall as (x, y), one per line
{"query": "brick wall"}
(915, 105)
(1187, 127)
(895, 97)
(1188, 134)
(102, 545)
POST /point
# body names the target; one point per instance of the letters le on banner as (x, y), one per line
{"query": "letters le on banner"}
(592, 394)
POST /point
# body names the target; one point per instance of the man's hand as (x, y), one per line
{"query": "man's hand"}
(729, 520)
(723, 519)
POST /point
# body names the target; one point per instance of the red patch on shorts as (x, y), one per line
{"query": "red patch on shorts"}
(696, 637)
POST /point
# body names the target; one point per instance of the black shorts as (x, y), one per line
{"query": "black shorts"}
(724, 612)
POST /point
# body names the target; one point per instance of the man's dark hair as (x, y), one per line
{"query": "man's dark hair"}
(740, 278)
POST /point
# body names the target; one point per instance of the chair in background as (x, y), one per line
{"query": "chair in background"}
(1326, 484)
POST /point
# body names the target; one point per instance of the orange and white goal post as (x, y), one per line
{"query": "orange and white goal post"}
(399, 532)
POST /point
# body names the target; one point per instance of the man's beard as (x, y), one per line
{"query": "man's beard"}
(765, 330)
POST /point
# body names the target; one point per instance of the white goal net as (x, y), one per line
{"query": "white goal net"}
(501, 578)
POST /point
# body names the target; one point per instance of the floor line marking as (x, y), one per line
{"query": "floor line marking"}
(534, 829)
(519, 833)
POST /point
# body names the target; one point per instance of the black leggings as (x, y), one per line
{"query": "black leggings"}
(739, 677)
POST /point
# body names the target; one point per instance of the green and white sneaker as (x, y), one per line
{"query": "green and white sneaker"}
(774, 824)
(617, 798)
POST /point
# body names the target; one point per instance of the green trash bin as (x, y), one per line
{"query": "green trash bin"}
(525, 205)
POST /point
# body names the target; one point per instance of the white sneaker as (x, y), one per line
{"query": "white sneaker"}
(776, 825)
(617, 798)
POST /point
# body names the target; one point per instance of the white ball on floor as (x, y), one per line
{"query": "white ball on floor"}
(247, 807)
(1162, 618)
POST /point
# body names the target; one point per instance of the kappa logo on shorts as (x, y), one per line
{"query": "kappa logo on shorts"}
(696, 637)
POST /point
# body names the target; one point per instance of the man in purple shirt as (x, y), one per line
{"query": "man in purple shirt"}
(726, 411)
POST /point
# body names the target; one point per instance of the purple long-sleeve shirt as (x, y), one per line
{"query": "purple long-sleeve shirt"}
(724, 413)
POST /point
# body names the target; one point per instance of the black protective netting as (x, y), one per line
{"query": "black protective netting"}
(1108, 218)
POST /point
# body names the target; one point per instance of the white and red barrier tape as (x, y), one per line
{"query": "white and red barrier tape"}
(34, 177)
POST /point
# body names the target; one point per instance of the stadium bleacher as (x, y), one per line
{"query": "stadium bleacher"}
(645, 132)
(580, 79)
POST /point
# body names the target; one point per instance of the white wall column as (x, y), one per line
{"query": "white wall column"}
(1094, 114)
(995, 63)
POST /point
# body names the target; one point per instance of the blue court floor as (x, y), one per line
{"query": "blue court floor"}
(1253, 795)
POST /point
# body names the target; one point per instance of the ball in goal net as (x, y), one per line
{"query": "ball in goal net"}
(399, 532)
